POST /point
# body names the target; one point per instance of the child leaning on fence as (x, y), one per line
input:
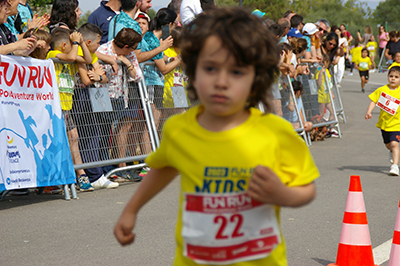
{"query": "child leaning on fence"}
(227, 151)
(176, 79)
(325, 87)
(66, 49)
(387, 98)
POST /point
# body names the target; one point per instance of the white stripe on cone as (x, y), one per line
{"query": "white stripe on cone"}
(355, 202)
(355, 235)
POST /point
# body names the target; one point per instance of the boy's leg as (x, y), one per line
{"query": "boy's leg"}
(74, 147)
(393, 146)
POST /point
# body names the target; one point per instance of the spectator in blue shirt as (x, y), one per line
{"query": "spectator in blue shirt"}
(103, 15)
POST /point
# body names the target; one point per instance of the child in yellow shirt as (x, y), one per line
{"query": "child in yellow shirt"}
(364, 65)
(65, 45)
(387, 98)
(237, 165)
(372, 46)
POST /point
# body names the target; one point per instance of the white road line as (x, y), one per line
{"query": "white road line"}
(382, 252)
(359, 81)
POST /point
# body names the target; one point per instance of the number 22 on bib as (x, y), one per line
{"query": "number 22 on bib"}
(223, 229)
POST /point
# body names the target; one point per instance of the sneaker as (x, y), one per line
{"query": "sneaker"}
(84, 184)
(116, 178)
(129, 176)
(394, 170)
(350, 74)
(143, 173)
(363, 90)
(50, 190)
(390, 157)
(103, 182)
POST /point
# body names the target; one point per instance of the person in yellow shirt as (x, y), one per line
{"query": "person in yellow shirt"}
(325, 88)
(355, 53)
(237, 165)
(65, 45)
(387, 99)
(396, 60)
(364, 65)
(372, 45)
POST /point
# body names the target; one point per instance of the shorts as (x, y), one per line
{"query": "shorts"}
(69, 122)
(389, 136)
(364, 73)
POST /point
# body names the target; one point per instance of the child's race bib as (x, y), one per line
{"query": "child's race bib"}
(66, 83)
(223, 229)
(388, 103)
(364, 65)
(371, 48)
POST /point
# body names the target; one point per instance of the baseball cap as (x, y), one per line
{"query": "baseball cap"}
(293, 32)
(309, 29)
(142, 15)
(258, 13)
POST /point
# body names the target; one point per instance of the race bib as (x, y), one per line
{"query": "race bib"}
(363, 65)
(371, 48)
(223, 229)
(388, 103)
(66, 83)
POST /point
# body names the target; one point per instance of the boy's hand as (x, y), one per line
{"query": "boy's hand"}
(123, 228)
(266, 187)
(368, 116)
(165, 44)
(75, 37)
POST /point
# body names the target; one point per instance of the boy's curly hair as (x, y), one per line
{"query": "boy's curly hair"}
(247, 39)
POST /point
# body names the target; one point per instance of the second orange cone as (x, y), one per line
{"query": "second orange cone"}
(355, 242)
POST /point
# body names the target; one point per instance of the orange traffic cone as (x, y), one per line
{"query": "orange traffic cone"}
(395, 252)
(355, 243)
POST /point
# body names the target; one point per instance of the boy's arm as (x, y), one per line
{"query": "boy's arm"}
(154, 182)
(73, 54)
(83, 73)
(165, 69)
(87, 58)
(371, 107)
(109, 59)
(266, 187)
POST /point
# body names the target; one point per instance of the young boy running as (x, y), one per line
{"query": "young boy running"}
(237, 165)
(387, 99)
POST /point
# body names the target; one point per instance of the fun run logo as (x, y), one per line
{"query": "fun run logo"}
(14, 155)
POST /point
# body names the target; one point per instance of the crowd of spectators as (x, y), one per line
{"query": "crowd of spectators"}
(122, 31)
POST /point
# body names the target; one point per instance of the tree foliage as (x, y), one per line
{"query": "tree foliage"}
(388, 12)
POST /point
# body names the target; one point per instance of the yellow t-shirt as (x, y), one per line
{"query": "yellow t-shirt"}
(387, 121)
(232, 155)
(172, 79)
(371, 47)
(323, 89)
(72, 70)
(394, 64)
(364, 64)
(356, 53)
(93, 55)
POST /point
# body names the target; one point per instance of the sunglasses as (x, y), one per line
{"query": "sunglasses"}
(332, 44)
(321, 29)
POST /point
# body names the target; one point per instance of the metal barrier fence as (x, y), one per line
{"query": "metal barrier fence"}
(320, 102)
(127, 127)
(383, 62)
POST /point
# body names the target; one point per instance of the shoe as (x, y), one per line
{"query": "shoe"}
(129, 176)
(363, 90)
(350, 74)
(390, 157)
(143, 173)
(50, 190)
(19, 192)
(84, 184)
(103, 182)
(394, 170)
(116, 178)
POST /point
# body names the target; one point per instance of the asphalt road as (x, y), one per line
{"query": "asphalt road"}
(47, 230)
